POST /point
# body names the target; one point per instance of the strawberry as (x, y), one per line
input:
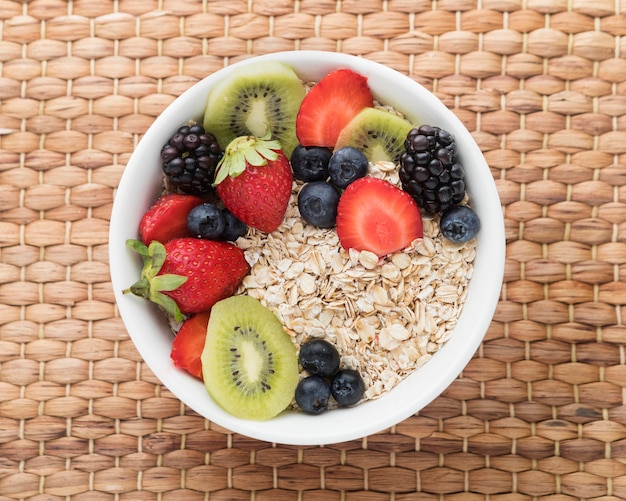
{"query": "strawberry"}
(330, 105)
(254, 179)
(189, 343)
(167, 218)
(188, 275)
(376, 216)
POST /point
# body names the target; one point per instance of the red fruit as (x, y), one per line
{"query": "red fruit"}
(254, 181)
(376, 216)
(188, 275)
(189, 343)
(167, 218)
(330, 105)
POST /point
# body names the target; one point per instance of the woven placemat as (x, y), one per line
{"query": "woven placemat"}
(539, 413)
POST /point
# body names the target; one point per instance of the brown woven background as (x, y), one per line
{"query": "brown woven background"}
(540, 411)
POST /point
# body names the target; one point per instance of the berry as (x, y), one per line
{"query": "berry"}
(189, 343)
(213, 269)
(429, 170)
(206, 221)
(254, 181)
(347, 387)
(167, 218)
(233, 228)
(459, 224)
(376, 216)
(317, 202)
(190, 158)
(310, 163)
(319, 358)
(346, 166)
(312, 394)
(330, 105)
(188, 275)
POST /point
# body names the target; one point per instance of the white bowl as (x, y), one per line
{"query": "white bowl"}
(140, 185)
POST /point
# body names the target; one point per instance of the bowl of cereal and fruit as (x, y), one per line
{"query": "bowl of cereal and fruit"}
(306, 247)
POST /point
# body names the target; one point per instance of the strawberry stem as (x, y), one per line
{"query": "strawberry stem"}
(150, 285)
(243, 151)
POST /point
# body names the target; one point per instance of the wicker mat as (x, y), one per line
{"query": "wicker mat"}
(539, 413)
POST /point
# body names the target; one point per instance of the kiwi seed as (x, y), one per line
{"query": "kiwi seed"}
(379, 134)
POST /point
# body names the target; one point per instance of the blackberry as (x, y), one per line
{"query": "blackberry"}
(429, 170)
(190, 158)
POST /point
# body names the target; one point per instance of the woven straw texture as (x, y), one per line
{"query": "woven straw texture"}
(540, 411)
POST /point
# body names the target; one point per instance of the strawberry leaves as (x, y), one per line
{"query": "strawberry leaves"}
(151, 285)
(244, 151)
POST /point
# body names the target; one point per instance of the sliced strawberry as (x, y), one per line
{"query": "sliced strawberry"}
(189, 343)
(330, 105)
(167, 218)
(376, 216)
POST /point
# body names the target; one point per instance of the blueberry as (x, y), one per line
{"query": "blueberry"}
(319, 357)
(317, 202)
(312, 394)
(347, 165)
(459, 224)
(347, 387)
(310, 163)
(206, 221)
(233, 227)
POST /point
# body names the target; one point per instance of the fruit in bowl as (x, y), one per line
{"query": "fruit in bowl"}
(363, 279)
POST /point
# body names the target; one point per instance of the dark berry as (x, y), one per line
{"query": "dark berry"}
(319, 357)
(312, 394)
(317, 203)
(346, 166)
(429, 170)
(206, 221)
(459, 224)
(347, 387)
(233, 227)
(310, 163)
(189, 159)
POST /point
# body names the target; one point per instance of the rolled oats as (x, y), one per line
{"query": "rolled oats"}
(386, 316)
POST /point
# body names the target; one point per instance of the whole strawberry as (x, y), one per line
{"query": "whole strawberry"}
(253, 179)
(188, 275)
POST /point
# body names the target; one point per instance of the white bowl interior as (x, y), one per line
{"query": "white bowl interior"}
(140, 185)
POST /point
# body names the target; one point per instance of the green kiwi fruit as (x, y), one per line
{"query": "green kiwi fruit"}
(379, 134)
(256, 99)
(249, 363)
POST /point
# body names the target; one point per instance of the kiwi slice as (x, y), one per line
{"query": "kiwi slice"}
(249, 363)
(379, 134)
(256, 99)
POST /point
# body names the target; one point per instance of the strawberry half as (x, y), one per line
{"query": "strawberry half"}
(167, 218)
(254, 180)
(188, 275)
(189, 343)
(330, 105)
(376, 216)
